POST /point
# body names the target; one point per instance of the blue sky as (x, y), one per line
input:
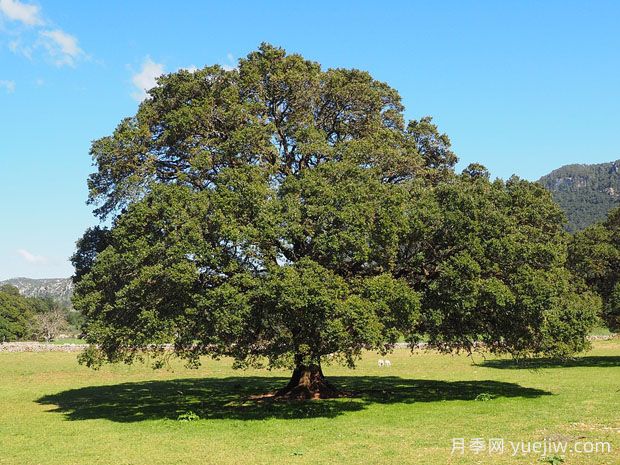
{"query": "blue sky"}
(520, 86)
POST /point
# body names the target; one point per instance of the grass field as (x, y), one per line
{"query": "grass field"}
(53, 411)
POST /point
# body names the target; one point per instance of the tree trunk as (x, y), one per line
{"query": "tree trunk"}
(308, 382)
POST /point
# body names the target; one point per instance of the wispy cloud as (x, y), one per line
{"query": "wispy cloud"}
(18, 47)
(60, 47)
(146, 78)
(231, 62)
(63, 48)
(8, 86)
(25, 13)
(31, 258)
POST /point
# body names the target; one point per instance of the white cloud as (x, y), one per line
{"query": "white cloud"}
(145, 79)
(232, 63)
(63, 48)
(31, 258)
(23, 12)
(9, 86)
(17, 46)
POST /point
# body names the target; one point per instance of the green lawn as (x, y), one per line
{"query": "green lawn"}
(68, 340)
(53, 411)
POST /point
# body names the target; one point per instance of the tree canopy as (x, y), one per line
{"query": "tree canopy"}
(283, 214)
(15, 314)
(495, 271)
(595, 257)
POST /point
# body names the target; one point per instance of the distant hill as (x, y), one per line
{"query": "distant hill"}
(585, 192)
(60, 289)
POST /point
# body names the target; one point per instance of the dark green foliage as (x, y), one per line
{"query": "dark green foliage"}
(89, 245)
(209, 271)
(8, 289)
(16, 313)
(75, 320)
(586, 193)
(476, 170)
(281, 214)
(595, 257)
(612, 309)
(42, 305)
(492, 258)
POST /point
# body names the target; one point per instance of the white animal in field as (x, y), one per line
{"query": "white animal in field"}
(387, 363)
(380, 362)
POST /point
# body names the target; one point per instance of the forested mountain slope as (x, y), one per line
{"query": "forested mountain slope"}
(60, 289)
(585, 192)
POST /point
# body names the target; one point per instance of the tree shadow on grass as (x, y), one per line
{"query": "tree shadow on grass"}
(230, 398)
(538, 363)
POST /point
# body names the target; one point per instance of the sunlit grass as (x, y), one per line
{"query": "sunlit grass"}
(55, 411)
(68, 340)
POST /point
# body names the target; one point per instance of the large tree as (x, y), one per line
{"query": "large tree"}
(281, 214)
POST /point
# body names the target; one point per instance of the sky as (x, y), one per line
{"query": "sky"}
(522, 87)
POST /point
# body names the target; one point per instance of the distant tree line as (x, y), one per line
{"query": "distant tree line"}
(34, 318)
